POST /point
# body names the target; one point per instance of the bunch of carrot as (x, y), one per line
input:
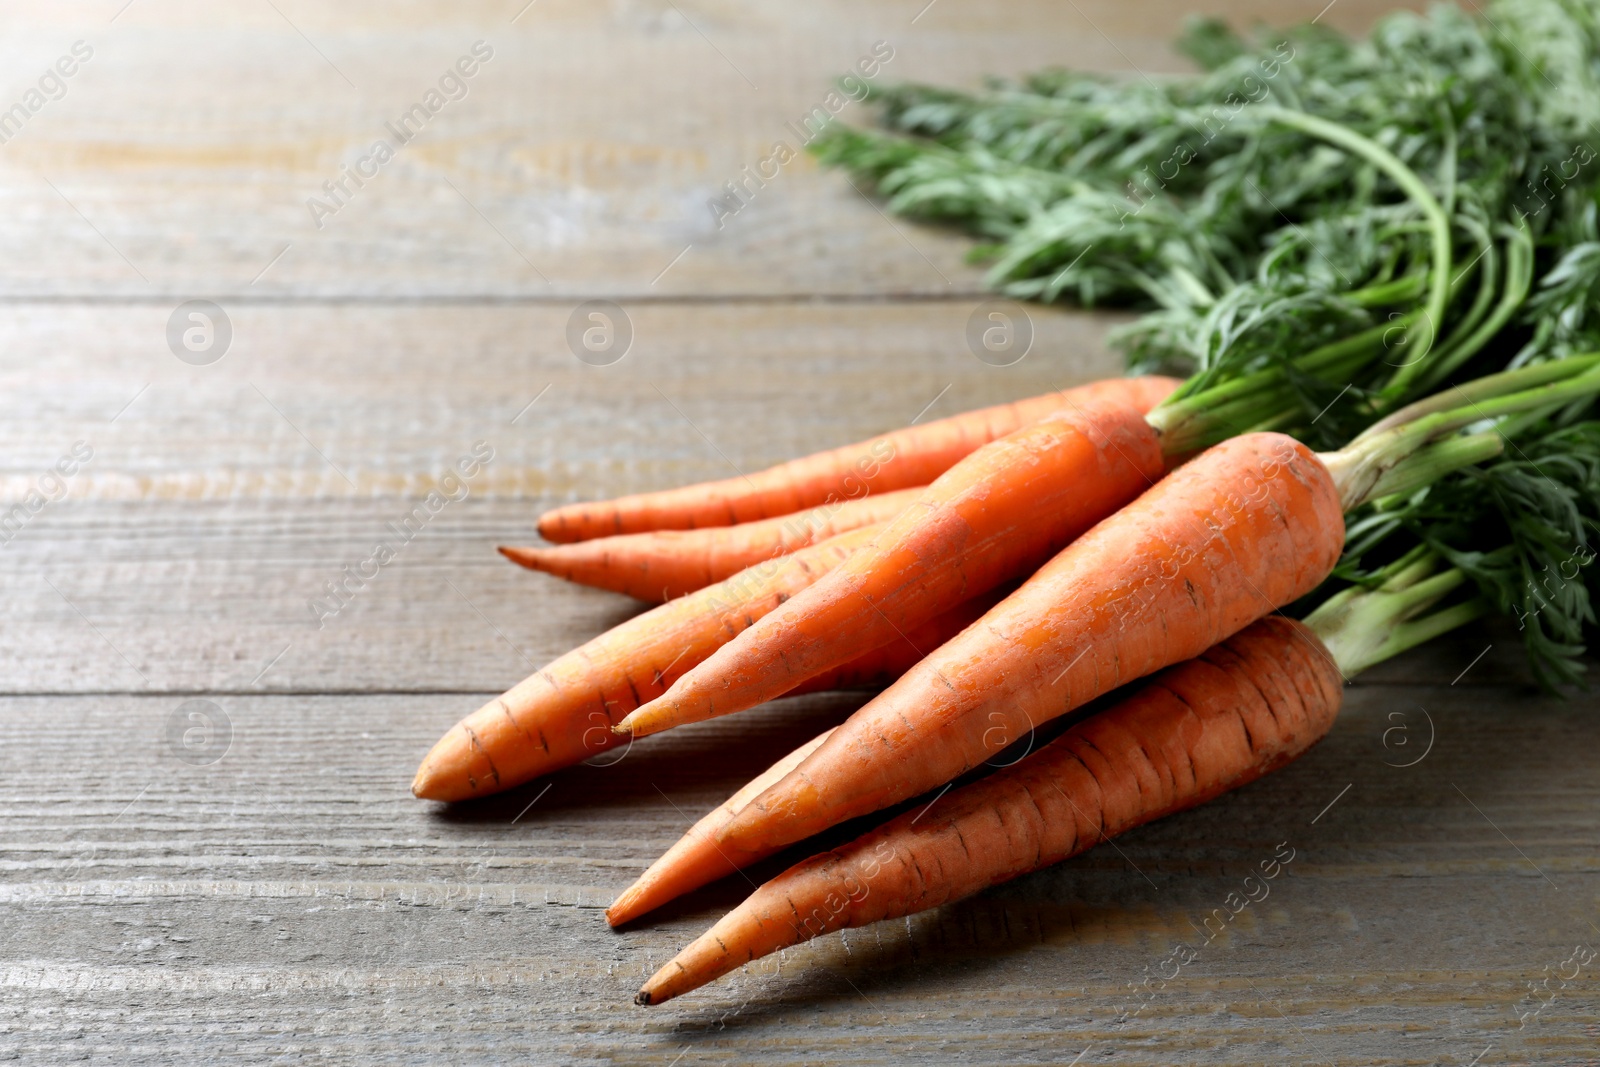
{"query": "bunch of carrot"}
(1128, 569)
(1130, 542)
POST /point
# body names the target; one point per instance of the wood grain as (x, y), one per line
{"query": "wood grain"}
(180, 161)
(289, 900)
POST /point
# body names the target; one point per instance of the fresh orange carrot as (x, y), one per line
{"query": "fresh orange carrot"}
(1247, 526)
(662, 565)
(696, 858)
(1000, 512)
(903, 459)
(563, 714)
(1244, 708)
(1244, 528)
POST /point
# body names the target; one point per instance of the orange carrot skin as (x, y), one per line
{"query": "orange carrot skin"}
(563, 714)
(1244, 528)
(880, 667)
(696, 859)
(662, 565)
(1194, 731)
(997, 514)
(903, 459)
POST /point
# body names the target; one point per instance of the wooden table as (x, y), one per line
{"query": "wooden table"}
(247, 879)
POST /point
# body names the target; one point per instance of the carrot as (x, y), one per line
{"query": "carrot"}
(661, 565)
(696, 859)
(1245, 527)
(998, 513)
(563, 714)
(903, 459)
(1196, 730)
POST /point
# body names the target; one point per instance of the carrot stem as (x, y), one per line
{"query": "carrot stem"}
(1192, 403)
(1400, 457)
(1362, 627)
(1482, 388)
(1410, 634)
(1433, 461)
(1190, 420)
(1414, 187)
(1519, 279)
(1406, 287)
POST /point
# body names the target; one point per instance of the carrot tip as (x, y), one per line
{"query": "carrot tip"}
(622, 909)
(623, 728)
(643, 998)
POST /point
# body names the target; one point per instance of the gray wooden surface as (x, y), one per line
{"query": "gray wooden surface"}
(278, 896)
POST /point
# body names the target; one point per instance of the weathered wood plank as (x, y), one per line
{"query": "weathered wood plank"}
(581, 160)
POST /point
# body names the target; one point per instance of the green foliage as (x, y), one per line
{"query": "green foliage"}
(1289, 274)
(1565, 310)
(1168, 196)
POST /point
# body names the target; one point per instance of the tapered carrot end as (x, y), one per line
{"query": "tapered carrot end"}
(658, 715)
(738, 937)
(563, 525)
(628, 907)
(452, 770)
(529, 557)
(436, 782)
(773, 819)
(689, 864)
(635, 724)
(675, 979)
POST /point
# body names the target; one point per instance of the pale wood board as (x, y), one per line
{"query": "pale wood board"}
(291, 901)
